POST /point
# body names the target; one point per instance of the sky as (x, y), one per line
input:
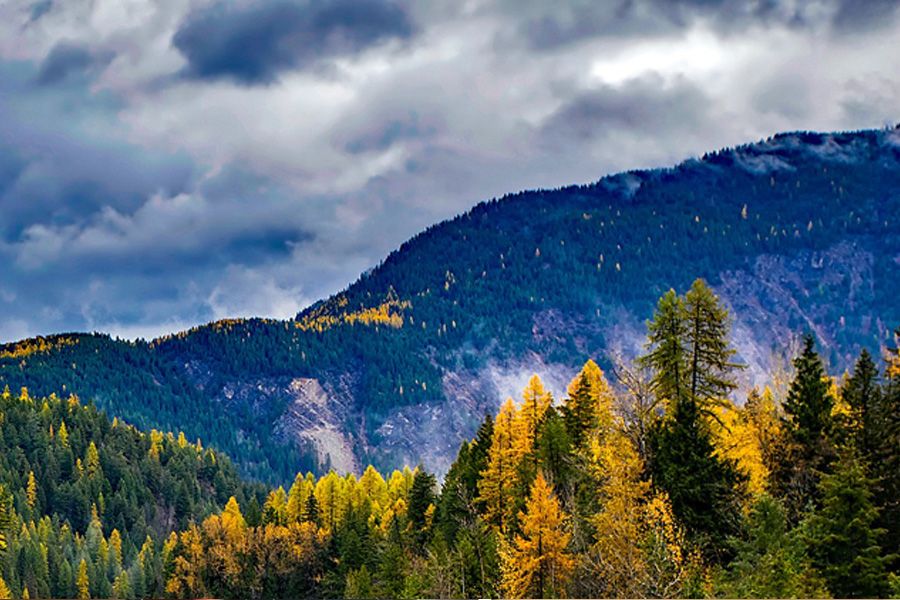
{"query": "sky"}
(164, 163)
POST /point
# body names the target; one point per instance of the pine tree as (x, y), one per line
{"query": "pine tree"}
(537, 564)
(807, 446)
(862, 394)
(770, 560)
(843, 538)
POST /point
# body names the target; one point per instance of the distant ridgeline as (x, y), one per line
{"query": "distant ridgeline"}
(797, 233)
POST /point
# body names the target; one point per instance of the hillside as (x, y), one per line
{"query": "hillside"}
(800, 232)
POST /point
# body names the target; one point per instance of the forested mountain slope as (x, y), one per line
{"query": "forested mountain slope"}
(800, 232)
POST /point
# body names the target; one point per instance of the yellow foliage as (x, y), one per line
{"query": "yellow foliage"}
(31, 490)
(739, 438)
(537, 564)
(331, 314)
(5, 594)
(535, 402)
(82, 582)
(495, 486)
(34, 346)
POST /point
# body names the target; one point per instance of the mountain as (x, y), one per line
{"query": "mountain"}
(799, 232)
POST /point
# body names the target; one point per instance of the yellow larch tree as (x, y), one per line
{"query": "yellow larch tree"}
(537, 563)
(298, 496)
(535, 402)
(331, 495)
(737, 438)
(495, 487)
(82, 582)
(617, 557)
(590, 400)
(5, 594)
(31, 490)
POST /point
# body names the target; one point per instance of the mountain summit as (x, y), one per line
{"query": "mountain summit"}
(799, 232)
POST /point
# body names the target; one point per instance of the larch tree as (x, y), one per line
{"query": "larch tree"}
(535, 402)
(82, 582)
(667, 351)
(537, 563)
(499, 478)
(710, 365)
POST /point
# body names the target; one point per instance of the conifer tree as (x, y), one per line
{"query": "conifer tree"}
(5, 594)
(770, 560)
(535, 402)
(842, 535)
(862, 394)
(704, 489)
(807, 445)
(82, 581)
(421, 499)
(710, 368)
(537, 564)
(667, 351)
(497, 481)
(31, 491)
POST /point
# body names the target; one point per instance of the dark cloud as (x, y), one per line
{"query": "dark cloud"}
(255, 43)
(645, 105)
(550, 27)
(854, 16)
(67, 60)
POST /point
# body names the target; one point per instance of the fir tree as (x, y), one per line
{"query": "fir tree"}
(421, 502)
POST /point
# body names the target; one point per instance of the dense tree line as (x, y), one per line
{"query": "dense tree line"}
(486, 285)
(659, 486)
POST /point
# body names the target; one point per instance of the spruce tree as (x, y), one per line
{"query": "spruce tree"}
(862, 393)
(421, 499)
(807, 447)
(842, 535)
(704, 489)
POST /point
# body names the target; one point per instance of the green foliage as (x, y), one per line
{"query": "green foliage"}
(842, 536)
(770, 560)
(807, 444)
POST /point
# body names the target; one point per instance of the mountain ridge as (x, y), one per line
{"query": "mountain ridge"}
(406, 359)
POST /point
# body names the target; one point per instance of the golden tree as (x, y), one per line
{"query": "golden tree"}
(82, 582)
(496, 484)
(537, 564)
(535, 402)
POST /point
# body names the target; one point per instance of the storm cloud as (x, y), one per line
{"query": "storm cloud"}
(168, 162)
(254, 43)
